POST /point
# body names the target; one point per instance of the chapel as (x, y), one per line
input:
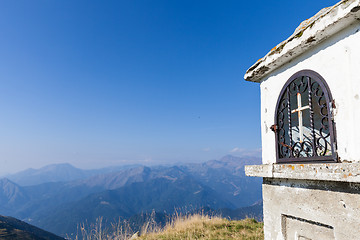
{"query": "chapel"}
(310, 116)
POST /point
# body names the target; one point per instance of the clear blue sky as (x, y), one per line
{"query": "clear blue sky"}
(99, 83)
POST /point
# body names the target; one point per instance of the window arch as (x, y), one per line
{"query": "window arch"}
(304, 126)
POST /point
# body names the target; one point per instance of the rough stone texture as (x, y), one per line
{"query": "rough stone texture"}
(310, 33)
(304, 209)
(341, 172)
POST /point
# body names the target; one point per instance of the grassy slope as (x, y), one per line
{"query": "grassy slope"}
(204, 227)
(14, 229)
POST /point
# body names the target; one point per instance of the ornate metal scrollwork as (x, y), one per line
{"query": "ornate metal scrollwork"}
(304, 126)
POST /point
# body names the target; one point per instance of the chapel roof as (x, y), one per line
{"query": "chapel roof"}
(309, 33)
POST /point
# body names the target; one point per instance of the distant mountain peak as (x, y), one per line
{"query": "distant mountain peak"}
(50, 173)
(66, 191)
(58, 165)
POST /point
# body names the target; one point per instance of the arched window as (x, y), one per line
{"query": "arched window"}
(304, 126)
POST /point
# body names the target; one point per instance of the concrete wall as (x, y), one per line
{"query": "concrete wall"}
(298, 209)
(337, 60)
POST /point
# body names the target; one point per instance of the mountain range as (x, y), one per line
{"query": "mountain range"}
(59, 197)
(63, 172)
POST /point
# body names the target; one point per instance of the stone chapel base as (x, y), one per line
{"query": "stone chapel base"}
(299, 206)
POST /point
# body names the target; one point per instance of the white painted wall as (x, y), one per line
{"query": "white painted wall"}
(337, 60)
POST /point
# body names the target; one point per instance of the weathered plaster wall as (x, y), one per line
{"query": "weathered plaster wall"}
(298, 209)
(337, 60)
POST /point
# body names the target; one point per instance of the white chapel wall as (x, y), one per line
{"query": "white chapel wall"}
(337, 60)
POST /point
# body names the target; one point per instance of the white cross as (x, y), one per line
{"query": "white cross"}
(299, 111)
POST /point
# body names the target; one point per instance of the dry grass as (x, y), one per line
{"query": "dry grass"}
(204, 227)
(98, 231)
(196, 226)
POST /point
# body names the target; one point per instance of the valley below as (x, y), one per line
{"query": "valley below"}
(57, 198)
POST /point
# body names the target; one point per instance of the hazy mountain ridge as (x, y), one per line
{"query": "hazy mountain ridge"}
(11, 196)
(129, 191)
(116, 179)
(42, 197)
(227, 175)
(162, 194)
(63, 172)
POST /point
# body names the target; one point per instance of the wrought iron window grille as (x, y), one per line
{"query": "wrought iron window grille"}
(304, 125)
